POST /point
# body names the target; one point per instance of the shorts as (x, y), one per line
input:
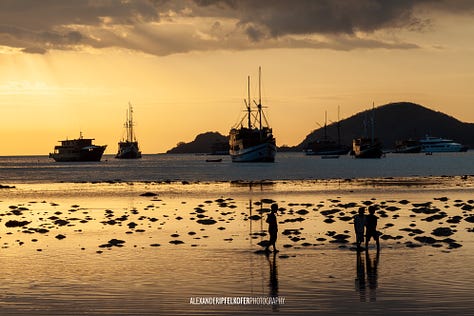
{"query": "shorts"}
(372, 234)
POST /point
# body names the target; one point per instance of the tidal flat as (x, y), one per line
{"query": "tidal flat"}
(148, 248)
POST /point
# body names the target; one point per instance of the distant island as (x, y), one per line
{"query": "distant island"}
(393, 122)
(205, 143)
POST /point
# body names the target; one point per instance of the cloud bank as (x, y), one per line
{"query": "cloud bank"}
(162, 27)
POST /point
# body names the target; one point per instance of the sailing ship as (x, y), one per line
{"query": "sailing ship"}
(367, 147)
(255, 142)
(327, 146)
(80, 149)
(128, 147)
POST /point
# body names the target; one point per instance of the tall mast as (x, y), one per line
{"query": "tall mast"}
(260, 96)
(129, 123)
(338, 126)
(325, 124)
(248, 103)
(372, 120)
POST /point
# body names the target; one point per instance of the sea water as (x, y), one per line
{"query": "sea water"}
(288, 166)
(153, 274)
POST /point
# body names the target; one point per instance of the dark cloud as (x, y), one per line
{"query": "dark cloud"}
(157, 27)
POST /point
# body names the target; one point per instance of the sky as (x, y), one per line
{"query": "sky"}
(72, 66)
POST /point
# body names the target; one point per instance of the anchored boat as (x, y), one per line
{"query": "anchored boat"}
(80, 149)
(128, 147)
(367, 147)
(254, 142)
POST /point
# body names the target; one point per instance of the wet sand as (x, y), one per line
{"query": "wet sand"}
(147, 248)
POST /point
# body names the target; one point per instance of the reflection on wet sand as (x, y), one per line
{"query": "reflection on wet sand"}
(273, 284)
(369, 267)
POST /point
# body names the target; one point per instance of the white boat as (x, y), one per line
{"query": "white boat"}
(431, 144)
(255, 142)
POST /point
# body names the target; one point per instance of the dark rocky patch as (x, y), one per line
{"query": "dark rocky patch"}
(425, 239)
(148, 194)
(329, 212)
(176, 242)
(435, 217)
(455, 219)
(442, 231)
(302, 212)
(60, 237)
(291, 232)
(345, 218)
(208, 221)
(14, 223)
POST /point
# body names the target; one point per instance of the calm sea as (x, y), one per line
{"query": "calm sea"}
(288, 166)
(57, 263)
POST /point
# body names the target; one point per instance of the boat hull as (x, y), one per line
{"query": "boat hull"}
(128, 150)
(265, 152)
(408, 150)
(444, 148)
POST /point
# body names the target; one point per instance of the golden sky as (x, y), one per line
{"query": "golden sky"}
(71, 66)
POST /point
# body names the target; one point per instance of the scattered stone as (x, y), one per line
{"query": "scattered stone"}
(206, 221)
(14, 223)
(176, 242)
(302, 212)
(442, 231)
(454, 245)
(60, 237)
(425, 239)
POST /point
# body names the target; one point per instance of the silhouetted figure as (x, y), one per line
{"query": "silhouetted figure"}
(359, 226)
(371, 228)
(272, 227)
(372, 275)
(360, 284)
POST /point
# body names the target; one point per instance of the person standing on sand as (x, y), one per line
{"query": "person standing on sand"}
(371, 227)
(272, 227)
(359, 225)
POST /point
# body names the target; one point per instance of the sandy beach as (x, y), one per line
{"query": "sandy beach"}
(160, 248)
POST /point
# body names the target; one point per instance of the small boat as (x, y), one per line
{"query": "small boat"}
(128, 147)
(367, 147)
(329, 156)
(80, 149)
(431, 144)
(214, 160)
(255, 142)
